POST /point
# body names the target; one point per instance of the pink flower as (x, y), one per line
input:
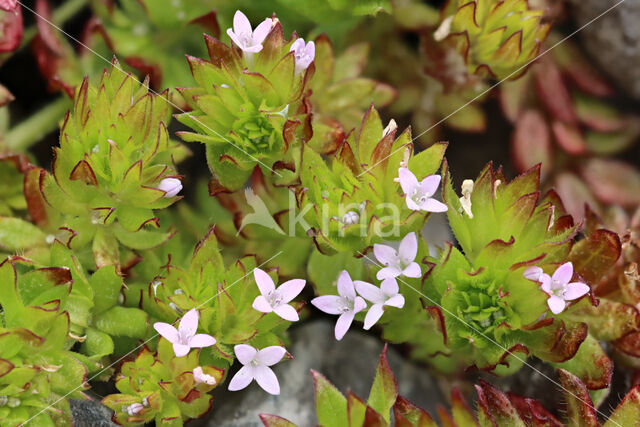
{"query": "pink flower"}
(244, 37)
(170, 186)
(304, 54)
(184, 338)
(256, 367)
(557, 286)
(200, 377)
(276, 300)
(400, 262)
(387, 294)
(419, 193)
(8, 5)
(134, 409)
(347, 304)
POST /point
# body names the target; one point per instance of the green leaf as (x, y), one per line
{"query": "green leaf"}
(17, 234)
(580, 410)
(331, 405)
(370, 135)
(106, 285)
(409, 415)
(427, 162)
(97, 344)
(323, 270)
(385, 389)
(123, 321)
(590, 364)
(628, 411)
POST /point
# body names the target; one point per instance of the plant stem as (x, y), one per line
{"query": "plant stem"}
(35, 127)
(59, 17)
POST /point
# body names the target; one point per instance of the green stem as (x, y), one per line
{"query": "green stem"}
(59, 16)
(35, 127)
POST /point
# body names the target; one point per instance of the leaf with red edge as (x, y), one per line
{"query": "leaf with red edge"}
(461, 412)
(580, 409)
(629, 344)
(574, 194)
(595, 256)
(553, 92)
(407, 414)
(569, 137)
(591, 364)
(627, 413)
(513, 96)
(331, 405)
(531, 142)
(356, 409)
(384, 390)
(613, 181)
(532, 412)
(275, 421)
(609, 321)
(11, 24)
(495, 408)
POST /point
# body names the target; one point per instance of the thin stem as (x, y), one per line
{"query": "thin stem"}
(37, 126)
(59, 17)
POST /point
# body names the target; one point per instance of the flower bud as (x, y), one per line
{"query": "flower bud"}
(171, 186)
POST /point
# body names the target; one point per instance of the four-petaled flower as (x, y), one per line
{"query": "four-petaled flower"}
(387, 294)
(276, 300)
(200, 377)
(347, 304)
(184, 338)
(419, 193)
(170, 186)
(256, 367)
(247, 39)
(303, 54)
(558, 286)
(400, 262)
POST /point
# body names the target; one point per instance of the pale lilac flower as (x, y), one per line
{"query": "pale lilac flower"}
(276, 300)
(134, 409)
(184, 338)
(200, 377)
(303, 53)
(400, 262)
(419, 193)
(170, 186)
(244, 37)
(347, 304)
(256, 367)
(387, 294)
(558, 286)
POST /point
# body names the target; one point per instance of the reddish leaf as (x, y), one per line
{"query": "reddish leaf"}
(531, 142)
(569, 138)
(275, 421)
(613, 181)
(409, 415)
(579, 405)
(553, 93)
(533, 413)
(494, 406)
(10, 26)
(594, 256)
(209, 22)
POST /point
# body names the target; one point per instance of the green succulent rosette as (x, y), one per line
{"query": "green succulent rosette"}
(158, 386)
(495, 38)
(249, 110)
(354, 201)
(114, 153)
(37, 370)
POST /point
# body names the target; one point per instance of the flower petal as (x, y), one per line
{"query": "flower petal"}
(385, 254)
(287, 312)
(262, 31)
(310, 49)
(241, 379)
(373, 315)
(412, 270)
(408, 180)
(408, 248)
(235, 38)
(556, 304)
(370, 292)
(267, 379)
(189, 323)
(167, 331)
(201, 340)
(245, 353)
(429, 185)
(264, 281)
(297, 45)
(545, 283)
(181, 349)
(291, 289)
(342, 324)
(241, 23)
(358, 305)
(262, 305)
(533, 273)
(433, 205)
(328, 303)
(396, 301)
(389, 287)
(345, 285)
(564, 273)
(412, 205)
(575, 290)
(388, 272)
(271, 355)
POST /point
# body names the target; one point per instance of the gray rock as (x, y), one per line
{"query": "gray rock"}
(613, 40)
(90, 413)
(350, 363)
